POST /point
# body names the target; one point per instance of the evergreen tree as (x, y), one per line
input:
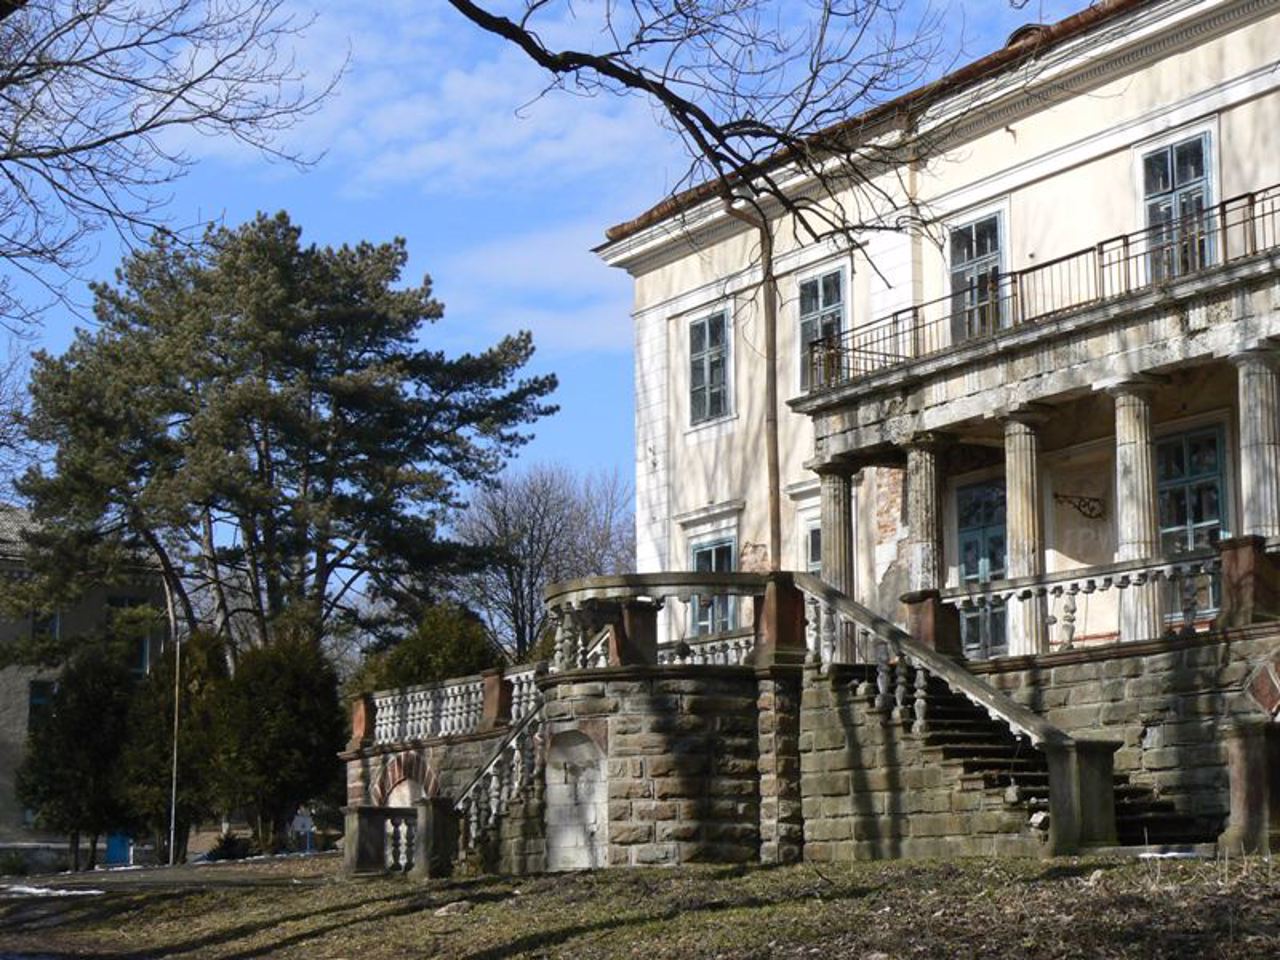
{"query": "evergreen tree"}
(279, 727)
(259, 421)
(449, 641)
(147, 756)
(70, 774)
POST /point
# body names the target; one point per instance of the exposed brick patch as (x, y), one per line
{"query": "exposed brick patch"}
(1265, 687)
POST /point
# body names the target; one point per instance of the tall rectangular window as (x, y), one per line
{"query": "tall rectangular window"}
(813, 548)
(708, 368)
(821, 317)
(1175, 190)
(975, 279)
(713, 614)
(136, 627)
(1190, 487)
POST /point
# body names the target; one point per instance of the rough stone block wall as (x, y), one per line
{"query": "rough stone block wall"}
(1167, 702)
(522, 845)
(681, 748)
(872, 790)
(442, 767)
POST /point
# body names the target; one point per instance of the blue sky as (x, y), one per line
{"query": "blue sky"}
(436, 134)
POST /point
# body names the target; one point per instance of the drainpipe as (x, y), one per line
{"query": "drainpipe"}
(769, 290)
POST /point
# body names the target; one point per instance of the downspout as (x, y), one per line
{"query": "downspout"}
(769, 289)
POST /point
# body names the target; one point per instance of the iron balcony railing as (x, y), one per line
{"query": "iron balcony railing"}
(1235, 229)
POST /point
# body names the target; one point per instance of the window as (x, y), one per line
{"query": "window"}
(1190, 490)
(980, 511)
(1175, 190)
(49, 626)
(712, 614)
(39, 702)
(975, 279)
(813, 548)
(708, 369)
(135, 619)
(821, 318)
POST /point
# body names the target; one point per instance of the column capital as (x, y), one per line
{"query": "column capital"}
(929, 440)
(1133, 385)
(1028, 415)
(1261, 354)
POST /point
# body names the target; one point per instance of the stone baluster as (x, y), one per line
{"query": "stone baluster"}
(829, 626)
(1190, 601)
(812, 625)
(884, 699)
(920, 704)
(1068, 620)
(900, 689)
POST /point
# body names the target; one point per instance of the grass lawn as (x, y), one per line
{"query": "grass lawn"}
(973, 908)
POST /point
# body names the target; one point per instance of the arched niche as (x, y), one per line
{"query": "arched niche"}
(577, 803)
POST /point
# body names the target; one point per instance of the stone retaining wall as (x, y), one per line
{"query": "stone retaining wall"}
(441, 767)
(681, 758)
(871, 790)
(1168, 702)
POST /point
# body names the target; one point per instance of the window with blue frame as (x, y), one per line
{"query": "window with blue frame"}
(708, 368)
(1176, 193)
(980, 519)
(713, 614)
(1191, 492)
(39, 702)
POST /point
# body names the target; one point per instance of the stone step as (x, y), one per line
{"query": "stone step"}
(994, 751)
(1161, 827)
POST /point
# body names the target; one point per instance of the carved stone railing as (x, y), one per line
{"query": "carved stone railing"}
(727, 649)
(451, 708)
(1189, 576)
(380, 839)
(524, 690)
(580, 607)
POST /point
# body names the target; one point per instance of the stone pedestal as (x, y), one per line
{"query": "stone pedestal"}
(1253, 768)
(780, 639)
(924, 528)
(1259, 411)
(436, 843)
(1137, 523)
(1082, 805)
(363, 715)
(1024, 536)
(496, 709)
(1250, 583)
(633, 639)
(363, 840)
(837, 528)
(934, 623)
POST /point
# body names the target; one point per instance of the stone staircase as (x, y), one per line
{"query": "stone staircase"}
(1008, 771)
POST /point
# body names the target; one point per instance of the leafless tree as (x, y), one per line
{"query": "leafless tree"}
(544, 525)
(100, 102)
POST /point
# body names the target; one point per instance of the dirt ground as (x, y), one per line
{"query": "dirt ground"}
(891, 911)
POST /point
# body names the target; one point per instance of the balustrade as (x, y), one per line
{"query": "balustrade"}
(1191, 579)
(732, 650)
(435, 710)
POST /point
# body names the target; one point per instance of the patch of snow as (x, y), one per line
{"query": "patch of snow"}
(22, 890)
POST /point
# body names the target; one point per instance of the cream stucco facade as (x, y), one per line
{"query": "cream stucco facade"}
(1050, 155)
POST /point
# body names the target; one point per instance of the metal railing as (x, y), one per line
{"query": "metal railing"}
(1147, 259)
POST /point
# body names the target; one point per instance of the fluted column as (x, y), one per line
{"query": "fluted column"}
(837, 528)
(924, 527)
(1024, 529)
(1137, 520)
(1259, 401)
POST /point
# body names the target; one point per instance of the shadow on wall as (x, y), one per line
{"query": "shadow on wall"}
(577, 803)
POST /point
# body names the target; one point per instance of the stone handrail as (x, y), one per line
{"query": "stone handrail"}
(893, 646)
(450, 708)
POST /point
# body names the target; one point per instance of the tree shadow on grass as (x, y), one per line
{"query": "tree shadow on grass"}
(544, 939)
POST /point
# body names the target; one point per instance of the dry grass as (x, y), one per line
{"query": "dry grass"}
(1003, 909)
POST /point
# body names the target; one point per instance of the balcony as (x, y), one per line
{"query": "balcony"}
(1106, 274)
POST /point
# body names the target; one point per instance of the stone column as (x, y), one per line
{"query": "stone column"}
(924, 518)
(837, 528)
(1024, 533)
(1137, 522)
(1259, 403)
